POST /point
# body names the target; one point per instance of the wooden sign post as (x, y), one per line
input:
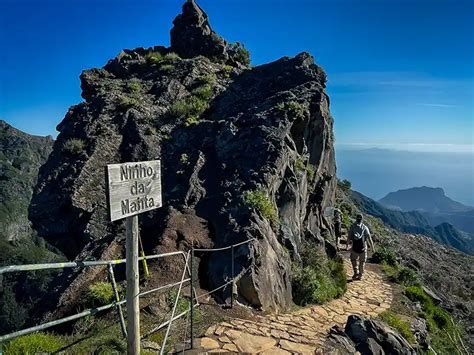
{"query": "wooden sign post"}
(133, 188)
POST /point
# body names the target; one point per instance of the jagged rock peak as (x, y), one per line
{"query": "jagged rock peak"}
(192, 36)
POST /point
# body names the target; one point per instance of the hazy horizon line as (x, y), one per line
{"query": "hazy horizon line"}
(411, 147)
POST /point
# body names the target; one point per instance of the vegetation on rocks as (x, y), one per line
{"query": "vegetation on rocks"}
(258, 200)
(133, 86)
(394, 320)
(445, 334)
(34, 344)
(292, 109)
(301, 166)
(128, 102)
(74, 146)
(317, 279)
(239, 53)
(189, 109)
(384, 255)
(101, 293)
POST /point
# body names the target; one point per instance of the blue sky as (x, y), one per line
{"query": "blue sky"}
(400, 73)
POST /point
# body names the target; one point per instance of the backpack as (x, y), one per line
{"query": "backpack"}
(358, 245)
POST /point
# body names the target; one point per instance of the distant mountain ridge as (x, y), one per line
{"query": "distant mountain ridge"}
(21, 156)
(416, 223)
(434, 205)
(425, 199)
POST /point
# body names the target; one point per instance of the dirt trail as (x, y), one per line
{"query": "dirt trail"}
(303, 331)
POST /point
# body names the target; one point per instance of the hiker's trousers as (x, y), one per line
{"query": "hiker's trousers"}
(358, 261)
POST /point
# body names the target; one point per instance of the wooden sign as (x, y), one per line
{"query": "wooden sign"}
(133, 188)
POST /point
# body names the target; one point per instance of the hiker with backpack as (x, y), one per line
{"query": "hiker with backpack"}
(359, 235)
(337, 226)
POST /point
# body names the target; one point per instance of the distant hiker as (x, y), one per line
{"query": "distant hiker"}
(359, 234)
(337, 226)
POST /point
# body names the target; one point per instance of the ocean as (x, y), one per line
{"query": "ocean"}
(376, 172)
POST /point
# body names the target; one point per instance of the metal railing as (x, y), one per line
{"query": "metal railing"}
(188, 267)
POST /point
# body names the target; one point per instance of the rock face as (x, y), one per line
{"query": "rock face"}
(192, 35)
(247, 151)
(20, 158)
(369, 337)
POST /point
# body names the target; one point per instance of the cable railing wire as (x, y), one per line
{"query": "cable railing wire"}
(118, 303)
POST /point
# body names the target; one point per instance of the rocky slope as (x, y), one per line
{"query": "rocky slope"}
(247, 152)
(21, 155)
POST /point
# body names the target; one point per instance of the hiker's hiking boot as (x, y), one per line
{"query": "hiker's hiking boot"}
(359, 277)
(354, 277)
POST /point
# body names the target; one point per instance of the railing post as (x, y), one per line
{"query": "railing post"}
(191, 282)
(133, 288)
(232, 276)
(117, 299)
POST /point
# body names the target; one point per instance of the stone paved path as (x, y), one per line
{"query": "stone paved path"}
(303, 331)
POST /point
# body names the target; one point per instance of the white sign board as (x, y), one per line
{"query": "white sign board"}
(133, 188)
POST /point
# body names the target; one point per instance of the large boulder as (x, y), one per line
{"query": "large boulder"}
(369, 337)
(247, 151)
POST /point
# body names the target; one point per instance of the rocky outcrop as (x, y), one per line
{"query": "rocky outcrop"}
(369, 337)
(21, 155)
(247, 151)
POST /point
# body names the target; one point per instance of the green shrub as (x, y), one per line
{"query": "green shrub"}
(33, 344)
(407, 276)
(74, 146)
(239, 53)
(204, 92)
(171, 57)
(133, 86)
(384, 255)
(416, 294)
(183, 303)
(317, 279)
(396, 322)
(441, 318)
(167, 68)
(101, 293)
(227, 70)
(189, 106)
(258, 200)
(208, 79)
(302, 167)
(292, 109)
(154, 58)
(128, 102)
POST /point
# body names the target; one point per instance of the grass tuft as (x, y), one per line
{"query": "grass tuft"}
(34, 344)
(259, 201)
(74, 146)
(396, 322)
(292, 109)
(101, 293)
